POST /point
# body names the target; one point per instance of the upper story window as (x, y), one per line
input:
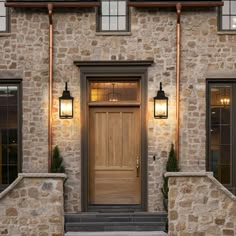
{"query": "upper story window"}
(113, 16)
(3, 17)
(228, 15)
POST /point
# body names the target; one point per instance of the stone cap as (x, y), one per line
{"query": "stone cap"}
(208, 175)
(188, 174)
(31, 175)
(42, 175)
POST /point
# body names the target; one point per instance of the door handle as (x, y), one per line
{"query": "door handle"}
(137, 167)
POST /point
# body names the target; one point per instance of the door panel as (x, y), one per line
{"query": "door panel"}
(114, 146)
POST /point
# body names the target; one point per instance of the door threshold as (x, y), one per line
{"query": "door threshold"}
(114, 208)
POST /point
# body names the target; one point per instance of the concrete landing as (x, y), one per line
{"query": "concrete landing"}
(122, 233)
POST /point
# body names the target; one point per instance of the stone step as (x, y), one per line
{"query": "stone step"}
(117, 217)
(115, 226)
(136, 221)
(123, 233)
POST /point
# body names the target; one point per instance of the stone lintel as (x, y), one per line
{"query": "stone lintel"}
(11, 74)
(115, 63)
(220, 75)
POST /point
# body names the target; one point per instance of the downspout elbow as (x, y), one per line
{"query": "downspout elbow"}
(50, 9)
(178, 10)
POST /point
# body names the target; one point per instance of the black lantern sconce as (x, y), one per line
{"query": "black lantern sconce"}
(66, 104)
(160, 105)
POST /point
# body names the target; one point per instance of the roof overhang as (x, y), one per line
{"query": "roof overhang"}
(96, 3)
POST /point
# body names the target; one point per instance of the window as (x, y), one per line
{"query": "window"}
(113, 16)
(114, 91)
(227, 16)
(221, 132)
(9, 133)
(3, 17)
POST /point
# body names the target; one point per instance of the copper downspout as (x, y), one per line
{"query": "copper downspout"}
(50, 8)
(178, 38)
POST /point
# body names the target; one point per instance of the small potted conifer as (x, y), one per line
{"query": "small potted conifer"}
(57, 160)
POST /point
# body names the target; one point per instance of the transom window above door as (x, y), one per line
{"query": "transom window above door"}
(113, 16)
(227, 16)
(115, 91)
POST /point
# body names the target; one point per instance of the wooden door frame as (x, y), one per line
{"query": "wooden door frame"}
(117, 70)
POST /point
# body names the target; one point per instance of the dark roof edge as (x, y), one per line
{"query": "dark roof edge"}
(54, 1)
(170, 3)
(60, 3)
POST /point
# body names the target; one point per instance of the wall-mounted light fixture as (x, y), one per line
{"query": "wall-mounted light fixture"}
(160, 105)
(66, 104)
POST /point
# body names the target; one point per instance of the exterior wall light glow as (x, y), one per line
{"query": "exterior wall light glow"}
(160, 105)
(66, 104)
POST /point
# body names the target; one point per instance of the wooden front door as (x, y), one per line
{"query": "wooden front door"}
(114, 155)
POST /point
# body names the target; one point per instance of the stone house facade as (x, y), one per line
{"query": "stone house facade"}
(137, 58)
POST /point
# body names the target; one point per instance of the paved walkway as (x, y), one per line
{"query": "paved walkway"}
(123, 233)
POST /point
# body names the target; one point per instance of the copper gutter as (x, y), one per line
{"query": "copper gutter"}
(55, 4)
(50, 9)
(178, 55)
(174, 3)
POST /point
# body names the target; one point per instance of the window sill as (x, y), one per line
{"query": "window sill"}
(226, 32)
(113, 34)
(5, 34)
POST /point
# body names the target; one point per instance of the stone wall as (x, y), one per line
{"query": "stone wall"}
(152, 36)
(200, 206)
(33, 206)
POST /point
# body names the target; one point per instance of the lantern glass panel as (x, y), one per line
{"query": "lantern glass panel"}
(160, 108)
(66, 108)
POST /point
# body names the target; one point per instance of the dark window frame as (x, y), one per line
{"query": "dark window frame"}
(18, 83)
(221, 82)
(220, 19)
(99, 20)
(7, 19)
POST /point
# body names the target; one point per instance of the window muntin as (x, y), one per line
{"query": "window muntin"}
(228, 15)
(9, 133)
(3, 17)
(113, 15)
